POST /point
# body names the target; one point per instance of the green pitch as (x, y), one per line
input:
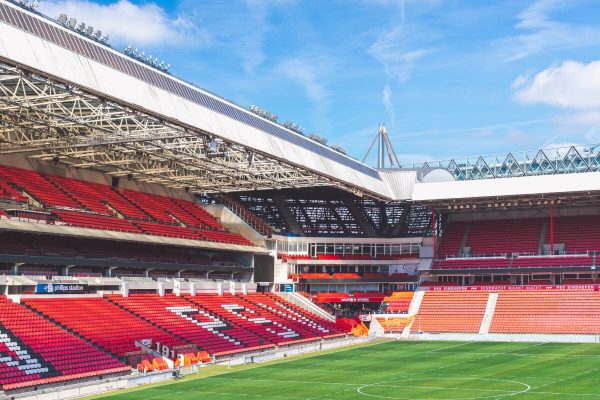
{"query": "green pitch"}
(404, 370)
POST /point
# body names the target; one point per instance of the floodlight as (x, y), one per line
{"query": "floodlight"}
(62, 18)
(98, 34)
(72, 23)
(35, 5)
(105, 39)
(127, 49)
(89, 30)
(81, 27)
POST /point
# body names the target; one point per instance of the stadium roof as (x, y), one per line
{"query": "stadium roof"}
(69, 98)
(65, 97)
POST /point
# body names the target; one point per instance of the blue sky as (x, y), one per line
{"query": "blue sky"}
(449, 78)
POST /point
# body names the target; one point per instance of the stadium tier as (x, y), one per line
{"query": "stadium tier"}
(35, 351)
(397, 302)
(451, 312)
(101, 322)
(547, 311)
(91, 205)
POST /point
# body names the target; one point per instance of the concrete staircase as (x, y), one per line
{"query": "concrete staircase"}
(489, 313)
(413, 310)
(542, 237)
(415, 303)
(463, 242)
(303, 302)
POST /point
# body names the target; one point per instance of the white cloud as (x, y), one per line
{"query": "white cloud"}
(393, 50)
(250, 43)
(584, 118)
(544, 33)
(569, 85)
(387, 102)
(126, 22)
(304, 72)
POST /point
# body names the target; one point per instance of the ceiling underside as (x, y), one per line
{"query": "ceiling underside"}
(54, 121)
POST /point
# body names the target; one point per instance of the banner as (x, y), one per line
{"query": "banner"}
(60, 288)
(516, 287)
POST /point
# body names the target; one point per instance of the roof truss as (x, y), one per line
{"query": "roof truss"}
(49, 120)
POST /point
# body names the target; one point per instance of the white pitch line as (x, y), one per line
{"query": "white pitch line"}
(449, 347)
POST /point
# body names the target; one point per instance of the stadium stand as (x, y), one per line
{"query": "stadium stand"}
(37, 352)
(451, 312)
(578, 234)
(547, 311)
(101, 322)
(397, 302)
(96, 206)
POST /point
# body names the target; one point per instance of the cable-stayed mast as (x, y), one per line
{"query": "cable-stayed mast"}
(384, 149)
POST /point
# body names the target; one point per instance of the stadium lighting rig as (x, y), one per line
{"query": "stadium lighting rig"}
(149, 60)
(263, 113)
(30, 5)
(294, 127)
(83, 29)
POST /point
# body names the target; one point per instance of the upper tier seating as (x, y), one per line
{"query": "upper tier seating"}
(35, 351)
(199, 213)
(37, 186)
(458, 263)
(453, 236)
(504, 236)
(517, 262)
(8, 192)
(547, 311)
(105, 324)
(451, 312)
(554, 261)
(578, 234)
(94, 221)
(100, 206)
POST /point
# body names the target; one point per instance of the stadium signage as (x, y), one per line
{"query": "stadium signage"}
(60, 288)
(516, 287)
(361, 299)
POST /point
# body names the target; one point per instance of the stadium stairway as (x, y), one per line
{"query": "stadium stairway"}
(490, 308)
(306, 304)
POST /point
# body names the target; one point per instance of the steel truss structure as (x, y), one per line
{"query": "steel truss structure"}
(336, 214)
(54, 121)
(565, 160)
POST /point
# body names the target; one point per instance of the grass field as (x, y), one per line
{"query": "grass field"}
(405, 370)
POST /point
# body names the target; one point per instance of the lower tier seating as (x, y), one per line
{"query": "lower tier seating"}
(35, 351)
(547, 311)
(192, 322)
(398, 302)
(451, 312)
(105, 324)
